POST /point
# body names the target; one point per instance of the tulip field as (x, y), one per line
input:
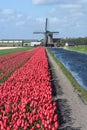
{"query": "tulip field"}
(26, 97)
(12, 62)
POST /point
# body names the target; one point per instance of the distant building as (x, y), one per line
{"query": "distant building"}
(35, 43)
(10, 42)
(17, 42)
(56, 41)
(69, 44)
(31, 43)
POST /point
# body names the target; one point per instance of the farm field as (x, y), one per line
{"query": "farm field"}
(80, 49)
(11, 62)
(37, 96)
(13, 50)
(26, 97)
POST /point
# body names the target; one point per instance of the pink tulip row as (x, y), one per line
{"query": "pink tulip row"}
(26, 97)
(9, 56)
(10, 63)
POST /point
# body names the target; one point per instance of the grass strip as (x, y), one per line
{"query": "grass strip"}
(13, 50)
(76, 85)
(79, 49)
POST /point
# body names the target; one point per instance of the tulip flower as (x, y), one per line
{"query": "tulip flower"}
(26, 97)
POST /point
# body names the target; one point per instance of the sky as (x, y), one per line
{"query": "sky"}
(20, 18)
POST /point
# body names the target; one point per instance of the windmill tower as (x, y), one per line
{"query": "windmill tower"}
(48, 40)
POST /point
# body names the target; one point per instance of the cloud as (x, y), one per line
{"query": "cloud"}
(55, 20)
(20, 23)
(68, 16)
(65, 16)
(7, 11)
(43, 1)
(69, 6)
(62, 3)
(11, 16)
(7, 15)
(2, 20)
(68, 11)
(19, 15)
(40, 20)
(82, 1)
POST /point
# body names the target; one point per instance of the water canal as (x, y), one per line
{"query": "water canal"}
(75, 62)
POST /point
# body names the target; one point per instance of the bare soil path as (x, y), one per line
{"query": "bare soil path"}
(71, 109)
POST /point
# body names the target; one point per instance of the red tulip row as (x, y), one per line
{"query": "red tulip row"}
(10, 63)
(26, 97)
(9, 56)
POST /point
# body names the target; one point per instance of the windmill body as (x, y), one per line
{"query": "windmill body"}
(48, 40)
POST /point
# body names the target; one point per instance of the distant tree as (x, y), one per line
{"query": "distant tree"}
(77, 41)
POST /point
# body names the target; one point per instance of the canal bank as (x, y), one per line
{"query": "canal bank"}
(74, 67)
(71, 108)
(75, 62)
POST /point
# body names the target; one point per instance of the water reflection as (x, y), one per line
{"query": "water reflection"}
(75, 62)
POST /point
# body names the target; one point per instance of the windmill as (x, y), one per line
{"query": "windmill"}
(48, 35)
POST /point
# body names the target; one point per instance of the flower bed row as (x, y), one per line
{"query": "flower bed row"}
(9, 56)
(10, 63)
(26, 97)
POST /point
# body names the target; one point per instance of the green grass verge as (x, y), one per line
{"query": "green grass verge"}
(80, 49)
(10, 51)
(76, 85)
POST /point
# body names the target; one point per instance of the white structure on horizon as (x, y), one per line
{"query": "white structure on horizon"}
(31, 43)
(35, 43)
(18, 42)
(69, 44)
